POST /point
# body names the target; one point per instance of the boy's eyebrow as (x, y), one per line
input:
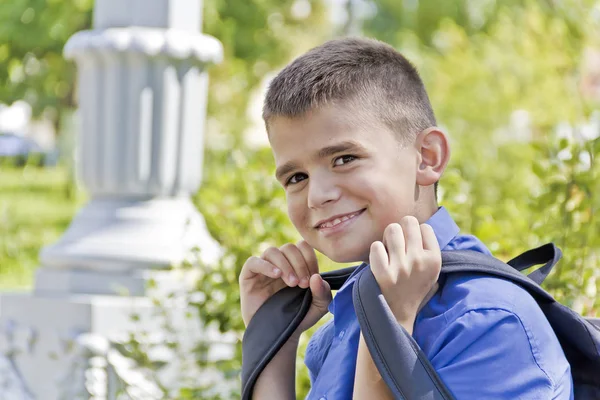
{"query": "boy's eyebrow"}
(339, 148)
(284, 170)
(322, 153)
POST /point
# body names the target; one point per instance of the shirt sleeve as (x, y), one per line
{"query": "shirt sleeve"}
(489, 354)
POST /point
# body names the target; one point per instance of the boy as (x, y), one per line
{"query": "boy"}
(359, 155)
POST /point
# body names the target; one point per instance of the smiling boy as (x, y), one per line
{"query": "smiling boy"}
(359, 155)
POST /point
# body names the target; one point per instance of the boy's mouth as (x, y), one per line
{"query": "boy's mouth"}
(337, 219)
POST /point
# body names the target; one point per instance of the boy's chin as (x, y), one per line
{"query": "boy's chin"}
(347, 257)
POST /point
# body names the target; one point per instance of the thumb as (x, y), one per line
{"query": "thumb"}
(321, 292)
(321, 297)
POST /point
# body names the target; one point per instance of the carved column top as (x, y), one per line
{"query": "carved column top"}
(174, 44)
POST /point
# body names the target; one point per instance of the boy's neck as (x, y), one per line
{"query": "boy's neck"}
(425, 210)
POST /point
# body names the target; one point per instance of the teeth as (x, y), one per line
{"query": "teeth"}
(336, 221)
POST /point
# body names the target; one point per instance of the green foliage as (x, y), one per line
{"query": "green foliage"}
(423, 18)
(32, 36)
(567, 209)
(258, 37)
(252, 219)
(35, 209)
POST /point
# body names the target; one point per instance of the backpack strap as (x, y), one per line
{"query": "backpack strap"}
(274, 323)
(458, 261)
(400, 361)
(548, 254)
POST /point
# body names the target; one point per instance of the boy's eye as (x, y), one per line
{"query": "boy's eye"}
(341, 160)
(296, 178)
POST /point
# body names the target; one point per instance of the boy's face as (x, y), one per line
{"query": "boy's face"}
(345, 181)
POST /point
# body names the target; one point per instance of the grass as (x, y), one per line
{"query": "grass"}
(36, 207)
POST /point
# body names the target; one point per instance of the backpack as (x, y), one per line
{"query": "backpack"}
(401, 363)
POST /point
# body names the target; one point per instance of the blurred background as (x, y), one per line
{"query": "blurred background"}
(516, 84)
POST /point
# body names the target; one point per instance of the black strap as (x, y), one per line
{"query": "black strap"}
(337, 278)
(274, 323)
(547, 254)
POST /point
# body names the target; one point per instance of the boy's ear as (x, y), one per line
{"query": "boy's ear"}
(434, 153)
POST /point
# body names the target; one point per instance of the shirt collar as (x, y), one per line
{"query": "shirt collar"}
(444, 227)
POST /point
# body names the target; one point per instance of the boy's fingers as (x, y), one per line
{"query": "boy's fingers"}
(412, 234)
(298, 263)
(309, 256)
(256, 265)
(378, 259)
(276, 257)
(429, 240)
(432, 249)
(394, 244)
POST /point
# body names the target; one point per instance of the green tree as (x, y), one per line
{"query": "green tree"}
(32, 68)
(423, 18)
(258, 37)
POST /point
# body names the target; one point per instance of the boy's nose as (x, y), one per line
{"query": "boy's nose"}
(322, 191)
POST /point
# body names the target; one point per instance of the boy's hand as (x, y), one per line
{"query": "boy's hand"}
(406, 265)
(289, 265)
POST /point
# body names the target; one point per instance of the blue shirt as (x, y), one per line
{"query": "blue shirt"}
(485, 336)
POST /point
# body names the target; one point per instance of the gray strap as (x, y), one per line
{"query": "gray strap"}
(274, 323)
(401, 363)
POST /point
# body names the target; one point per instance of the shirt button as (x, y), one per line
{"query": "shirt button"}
(323, 398)
(341, 334)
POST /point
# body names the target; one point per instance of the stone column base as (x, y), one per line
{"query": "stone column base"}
(58, 348)
(121, 235)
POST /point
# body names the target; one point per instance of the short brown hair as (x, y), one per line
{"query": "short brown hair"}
(351, 69)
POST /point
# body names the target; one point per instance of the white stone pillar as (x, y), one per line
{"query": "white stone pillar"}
(142, 96)
(142, 103)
